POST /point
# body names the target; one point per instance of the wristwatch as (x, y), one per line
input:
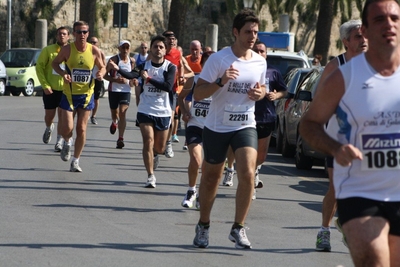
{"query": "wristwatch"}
(218, 81)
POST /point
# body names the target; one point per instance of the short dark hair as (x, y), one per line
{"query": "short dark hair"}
(364, 16)
(80, 23)
(168, 33)
(63, 28)
(159, 38)
(244, 16)
(205, 56)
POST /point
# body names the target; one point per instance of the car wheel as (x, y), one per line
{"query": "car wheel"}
(2, 87)
(288, 151)
(279, 138)
(29, 88)
(15, 93)
(303, 162)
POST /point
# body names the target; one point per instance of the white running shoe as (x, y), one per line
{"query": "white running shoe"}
(156, 162)
(47, 134)
(189, 199)
(75, 166)
(228, 179)
(151, 181)
(169, 153)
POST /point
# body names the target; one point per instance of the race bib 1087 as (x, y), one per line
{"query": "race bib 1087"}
(81, 75)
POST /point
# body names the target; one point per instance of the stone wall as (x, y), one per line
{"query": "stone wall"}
(146, 18)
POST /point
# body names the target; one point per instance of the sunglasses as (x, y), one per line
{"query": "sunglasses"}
(93, 42)
(144, 47)
(80, 32)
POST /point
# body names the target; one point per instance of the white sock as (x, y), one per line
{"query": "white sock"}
(192, 188)
(325, 229)
(75, 159)
(230, 169)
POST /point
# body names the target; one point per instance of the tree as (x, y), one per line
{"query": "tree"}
(324, 26)
(88, 13)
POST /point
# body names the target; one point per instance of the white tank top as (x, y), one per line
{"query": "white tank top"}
(333, 127)
(369, 118)
(122, 87)
(199, 109)
(154, 101)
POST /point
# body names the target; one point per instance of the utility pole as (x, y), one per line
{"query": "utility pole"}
(8, 43)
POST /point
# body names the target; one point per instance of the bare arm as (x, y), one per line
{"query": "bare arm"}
(323, 106)
(99, 61)
(187, 88)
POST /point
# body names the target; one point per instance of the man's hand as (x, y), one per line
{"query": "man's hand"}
(229, 74)
(346, 154)
(256, 93)
(272, 96)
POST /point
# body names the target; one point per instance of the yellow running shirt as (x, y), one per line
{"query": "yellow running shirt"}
(80, 66)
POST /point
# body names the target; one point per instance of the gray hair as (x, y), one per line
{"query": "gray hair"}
(347, 27)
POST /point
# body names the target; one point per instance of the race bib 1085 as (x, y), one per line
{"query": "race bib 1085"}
(380, 151)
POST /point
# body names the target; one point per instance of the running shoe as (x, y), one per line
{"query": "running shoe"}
(66, 151)
(58, 146)
(151, 181)
(113, 127)
(47, 134)
(120, 143)
(201, 238)
(257, 182)
(189, 199)
(228, 179)
(156, 162)
(75, 166)
(323, 241)
(339, 228)
(169, 153)
(175, 138)
(239, 237)
(93, 120)
(185, 147)
(254, 196)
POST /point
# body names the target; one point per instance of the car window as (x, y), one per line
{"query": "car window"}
(284, 65)
(19, 58)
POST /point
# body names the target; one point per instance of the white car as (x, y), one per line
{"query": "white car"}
(285, 61)
(3, 78)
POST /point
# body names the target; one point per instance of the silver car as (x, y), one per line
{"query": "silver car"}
(3, 78)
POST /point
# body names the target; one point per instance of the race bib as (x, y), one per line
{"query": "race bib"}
(237, 115)
(200, 108)
(380, 151)
(81, 75)
(152, 91)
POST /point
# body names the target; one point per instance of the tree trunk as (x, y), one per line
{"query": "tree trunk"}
(324, 26)
(88, 12)
(176, 19)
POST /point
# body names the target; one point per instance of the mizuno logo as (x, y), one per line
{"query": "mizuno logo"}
(366, 86)
(381, 143)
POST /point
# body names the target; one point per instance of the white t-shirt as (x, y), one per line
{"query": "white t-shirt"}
(122, 87)
(231, 108)
(199, 110)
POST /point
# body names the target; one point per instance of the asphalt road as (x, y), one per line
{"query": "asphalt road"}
(105, 217)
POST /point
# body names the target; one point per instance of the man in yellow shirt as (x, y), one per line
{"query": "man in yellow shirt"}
(52, 84)
(80, 57)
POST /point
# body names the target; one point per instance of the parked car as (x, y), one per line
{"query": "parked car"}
(293, 144)
(292, 80)
(3, 78)
(21, 72)
(285, 61)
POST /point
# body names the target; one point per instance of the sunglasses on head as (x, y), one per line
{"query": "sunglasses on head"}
(80, 32)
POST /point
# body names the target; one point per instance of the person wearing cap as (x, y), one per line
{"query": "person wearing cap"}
(98, 85)
(119, 90)
(77, 100)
